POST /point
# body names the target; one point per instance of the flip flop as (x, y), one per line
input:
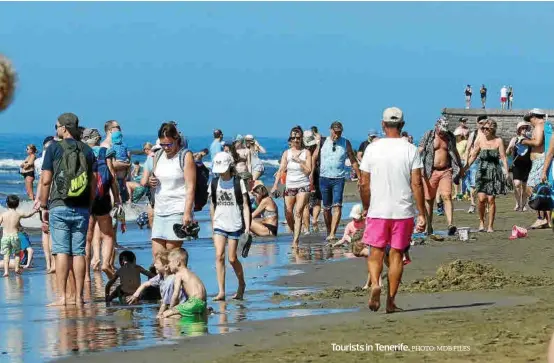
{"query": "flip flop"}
(245, 242)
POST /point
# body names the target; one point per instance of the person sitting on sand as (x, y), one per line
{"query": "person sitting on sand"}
(128, 275)
(186, 280)
(355, 225)
(265, 219)
(164, 280)
(10, 222)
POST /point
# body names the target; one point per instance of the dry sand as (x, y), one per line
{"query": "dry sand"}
(489, 299)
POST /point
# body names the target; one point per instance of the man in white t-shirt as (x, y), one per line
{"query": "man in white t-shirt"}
(390, 181)
(503, 97)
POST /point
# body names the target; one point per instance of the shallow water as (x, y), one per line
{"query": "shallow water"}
(32, 332)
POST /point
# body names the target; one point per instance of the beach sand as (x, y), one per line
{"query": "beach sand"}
(502, 313)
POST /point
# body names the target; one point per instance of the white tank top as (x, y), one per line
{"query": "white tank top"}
(171, 191)
(295, 174)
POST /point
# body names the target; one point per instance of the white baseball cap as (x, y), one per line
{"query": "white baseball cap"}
(534, 112)
(221, 162)
(522, 124)
(393, 114)
(249, 137)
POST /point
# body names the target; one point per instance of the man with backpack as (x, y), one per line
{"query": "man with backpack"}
(68, 182)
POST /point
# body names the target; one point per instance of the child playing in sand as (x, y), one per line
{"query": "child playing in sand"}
(357, 223)
(187, 280)
(128, 275)
(165, 280)
(10, 243)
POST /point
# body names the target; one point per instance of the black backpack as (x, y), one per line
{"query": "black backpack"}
(238, 196)
(541, 198)
(202, 179)
(72, 178)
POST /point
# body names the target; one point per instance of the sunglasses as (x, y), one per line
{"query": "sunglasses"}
(334, 146)
(167, 145)
(115, 128)
(487, 128)
(295, 138)
(56, 127)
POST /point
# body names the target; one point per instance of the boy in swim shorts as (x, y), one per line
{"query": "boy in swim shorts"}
(187, 280)
(10, 222)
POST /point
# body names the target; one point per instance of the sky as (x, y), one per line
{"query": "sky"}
(264, 67)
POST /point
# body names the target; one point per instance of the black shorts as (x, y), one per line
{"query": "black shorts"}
(102, 206)
(29, 173)
(272, 228)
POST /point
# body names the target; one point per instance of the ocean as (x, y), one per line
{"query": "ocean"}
(32, 332)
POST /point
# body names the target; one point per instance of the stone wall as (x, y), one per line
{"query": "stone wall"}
(506, 119)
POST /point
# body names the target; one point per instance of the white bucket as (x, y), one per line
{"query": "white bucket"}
(463, 233)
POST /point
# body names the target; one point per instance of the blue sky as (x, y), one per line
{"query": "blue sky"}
(264, 67)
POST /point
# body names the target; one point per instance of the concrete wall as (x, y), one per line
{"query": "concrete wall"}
(506, 120)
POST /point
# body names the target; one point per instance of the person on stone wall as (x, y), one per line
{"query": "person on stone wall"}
(510, 97)
(483, 96)
(503, 97)
(468, 92)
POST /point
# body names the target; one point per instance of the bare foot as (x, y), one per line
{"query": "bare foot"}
(331, 238)
(70, 300)
(375, 299)
(392, 308)
(18, 271)
(5, 274)
(60, 302)
(294, 246)
(240, 292)
(220, 297)
(490, 230)
(366, 286)
(79, 302)
(95, 265)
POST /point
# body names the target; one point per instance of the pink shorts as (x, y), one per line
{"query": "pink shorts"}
(503, 99)
(394, 232)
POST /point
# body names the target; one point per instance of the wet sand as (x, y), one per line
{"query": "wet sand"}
(506, 317)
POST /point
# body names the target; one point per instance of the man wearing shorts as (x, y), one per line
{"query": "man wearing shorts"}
(441, 166)
(67, 216)
(333, 153)
(503, 97)
(537, 118)
(390, 182)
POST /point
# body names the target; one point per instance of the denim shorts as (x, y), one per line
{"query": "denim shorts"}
(471, 173)
(229, 235)
(162, 226)
(332, 190)
(68, 229)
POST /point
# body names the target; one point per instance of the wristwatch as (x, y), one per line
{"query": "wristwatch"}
(43, 207)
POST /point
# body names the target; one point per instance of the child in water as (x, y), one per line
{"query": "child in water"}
(357, 223)
(165, 280)
(10, 244)
(128, 275)
(185, 279)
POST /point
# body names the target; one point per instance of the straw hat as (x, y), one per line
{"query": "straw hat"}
(8, 79)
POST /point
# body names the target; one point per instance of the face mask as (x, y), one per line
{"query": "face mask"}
(117, 136)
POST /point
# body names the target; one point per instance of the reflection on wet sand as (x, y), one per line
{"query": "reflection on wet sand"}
(307, 254)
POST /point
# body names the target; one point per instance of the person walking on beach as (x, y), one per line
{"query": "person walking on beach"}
(313, 209)
(173, 180)
(483, 96)
(255, 164)
(537, 119)
(68, 187)
(371, 137)
(470, 173)
(297, 163)
(490, 179)
(231, 218)
(503, 97)
(217, 144)
(46, 240)
(333, 153)
(441, 167)
(521, 165)
(391, 180)
(468, 92)
(101, 207)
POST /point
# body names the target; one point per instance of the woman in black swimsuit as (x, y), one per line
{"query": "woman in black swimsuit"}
(521, 167)
(267, 211)
(28, 170)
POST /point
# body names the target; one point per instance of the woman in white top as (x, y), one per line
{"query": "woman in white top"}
(230, 220)
(296, 162)
(173, 182)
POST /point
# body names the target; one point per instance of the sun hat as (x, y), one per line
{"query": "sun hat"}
(309, 138)
(221, 162)
(393, 114)
(357, 211)
(91, 136)
(534, 112)
(249, 137)
(522, 124)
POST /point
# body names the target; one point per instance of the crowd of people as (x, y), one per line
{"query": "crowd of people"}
(85, 180)
(506, 97)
